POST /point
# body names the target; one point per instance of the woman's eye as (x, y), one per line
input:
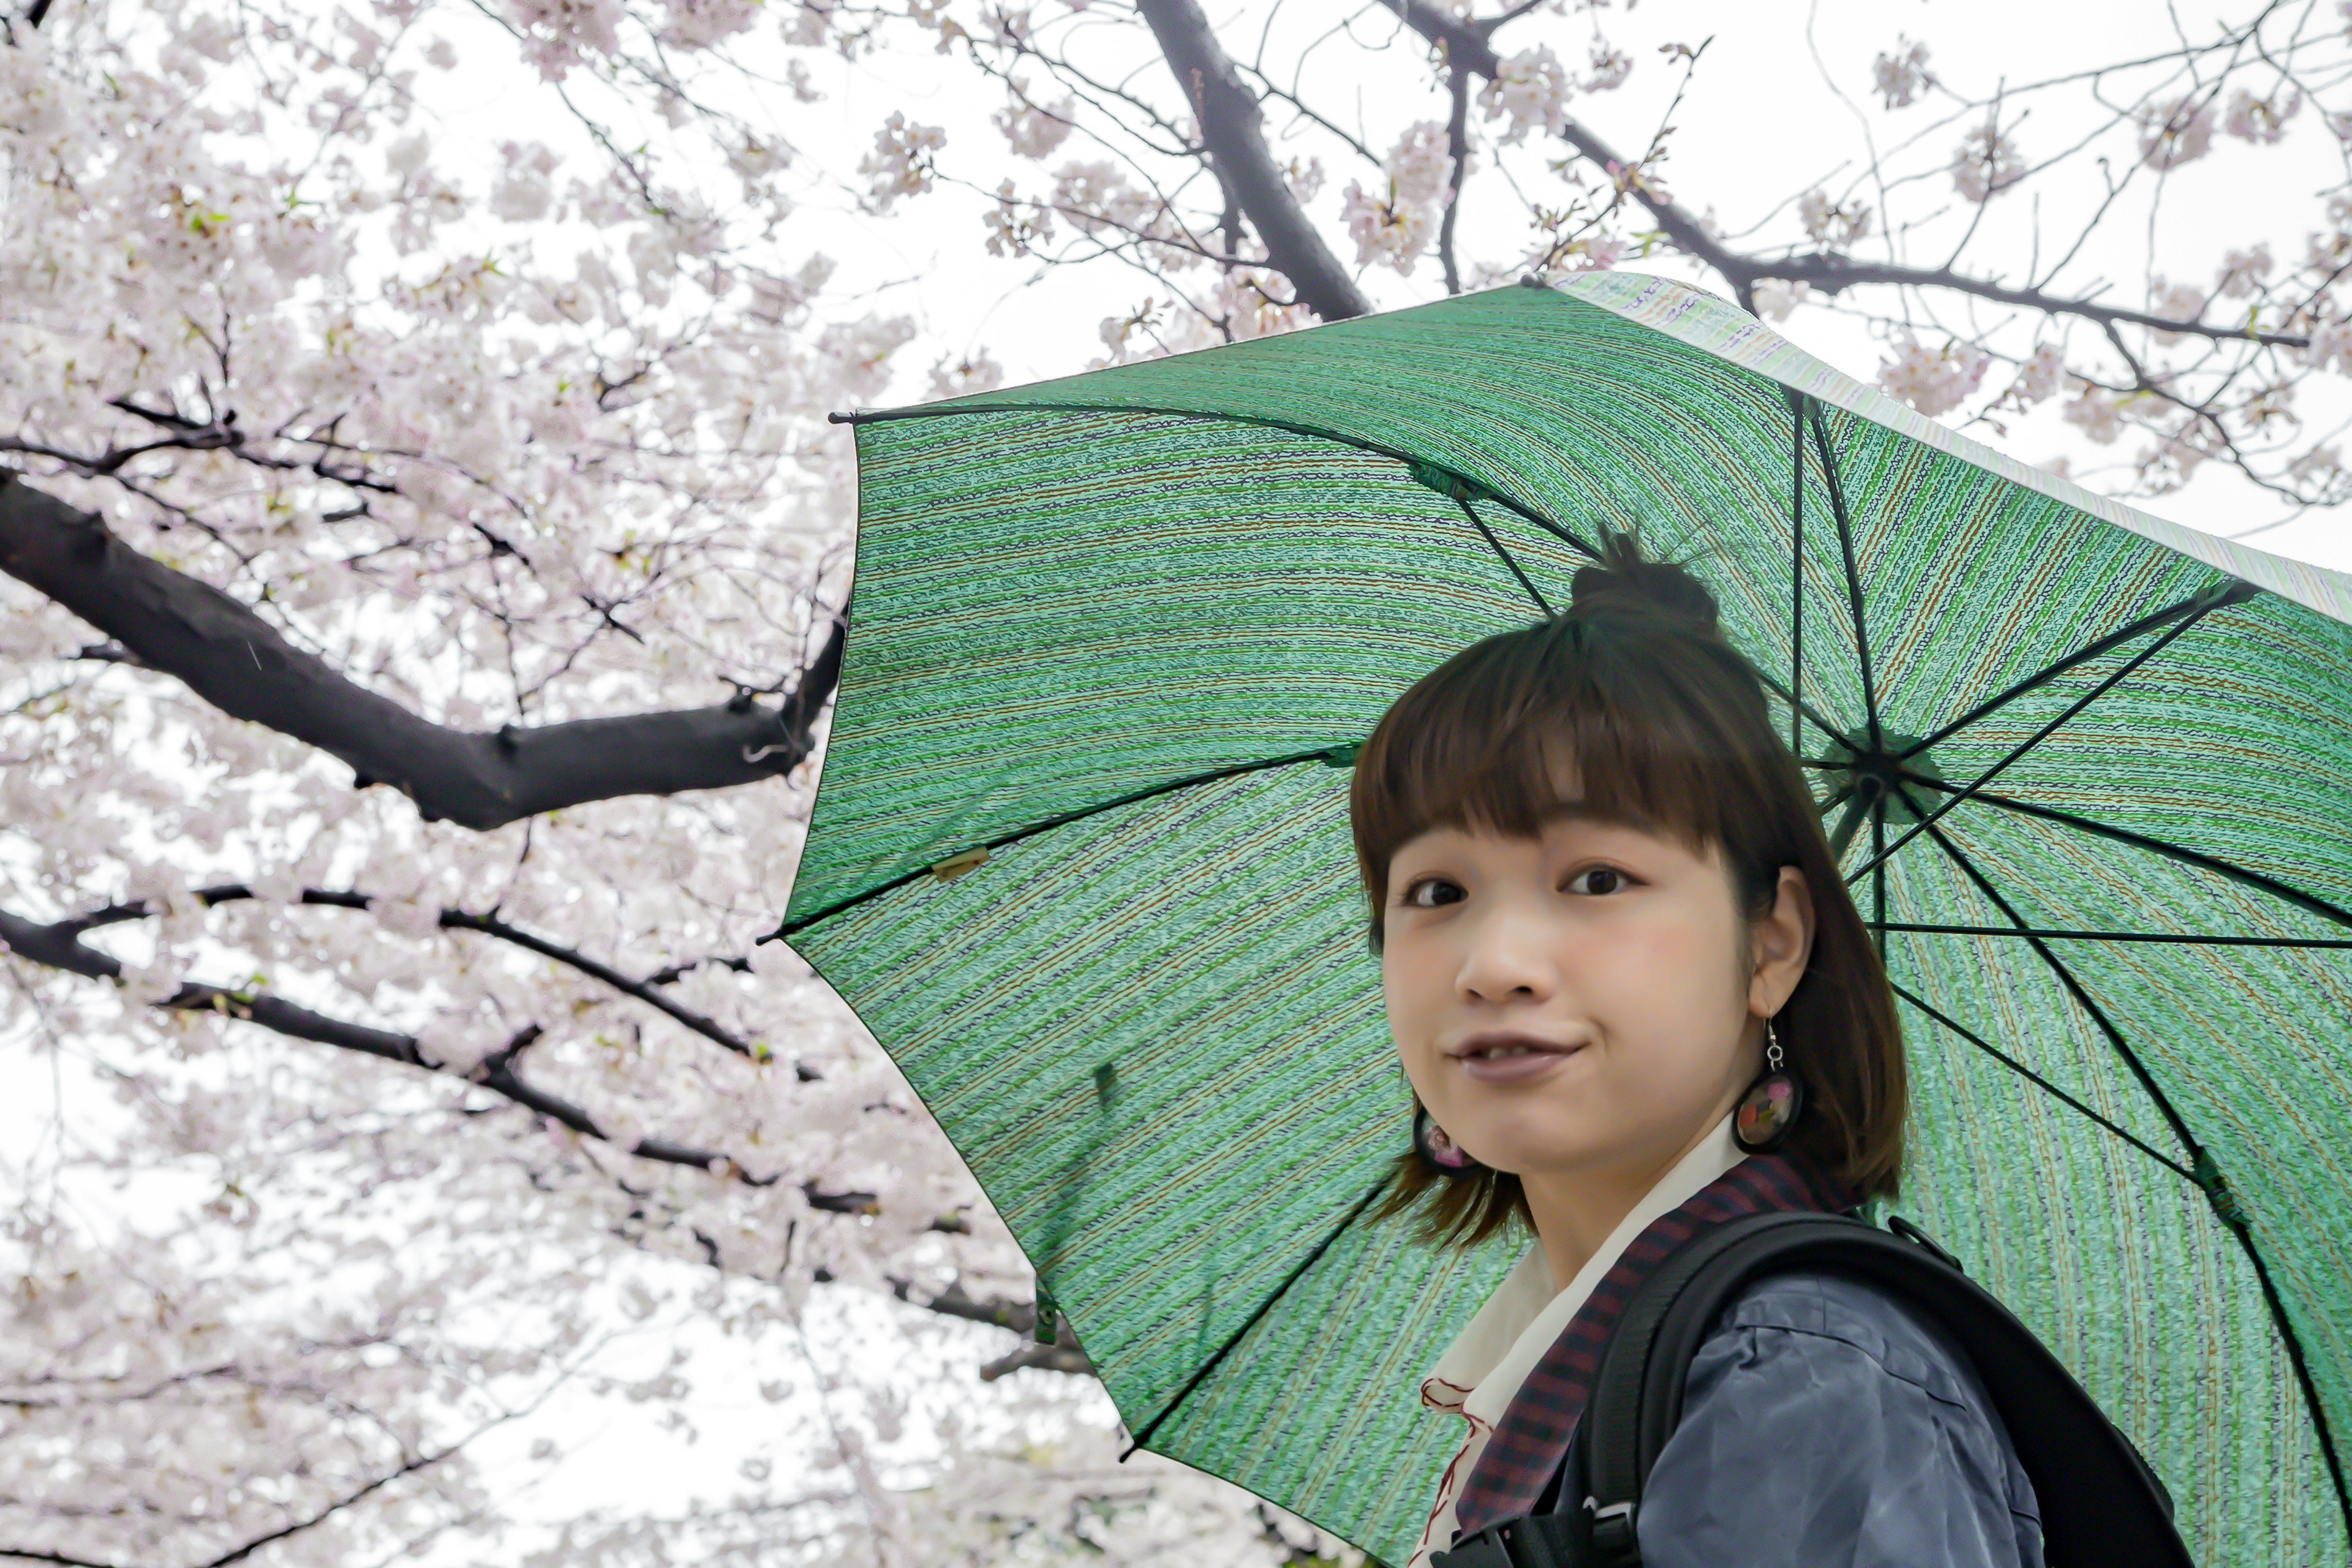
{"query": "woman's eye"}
(1615, 878)
(1439, 891)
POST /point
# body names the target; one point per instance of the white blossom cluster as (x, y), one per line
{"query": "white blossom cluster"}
(507, 436)
(1901, 74)
(901, 163)
(1395, 225)
(1833, 226)
(1933, 379)
(1530, 90)
(1987, 164)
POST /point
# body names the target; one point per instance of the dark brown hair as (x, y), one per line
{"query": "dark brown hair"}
(1669, 732)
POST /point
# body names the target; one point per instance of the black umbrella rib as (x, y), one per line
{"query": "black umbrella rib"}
(1798, 403)
(2019, 1067)
(1796, 702)
(1878, 872)
(1355, 1211)
(2074, 988)
(1928, 929)
(793, 928)
(1853, 577)
(2196, 604)
(2309, 902)
(1878, 856)
(1312, 432)
(2205, 1171)
(1487, 534)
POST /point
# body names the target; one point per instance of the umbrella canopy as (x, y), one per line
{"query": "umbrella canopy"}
(2091, 774)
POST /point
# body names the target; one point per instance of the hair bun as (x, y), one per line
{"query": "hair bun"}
(1623, 578)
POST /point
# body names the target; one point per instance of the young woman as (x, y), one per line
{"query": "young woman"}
(1616, 951)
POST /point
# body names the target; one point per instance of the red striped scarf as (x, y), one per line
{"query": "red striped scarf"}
(1532, 1439)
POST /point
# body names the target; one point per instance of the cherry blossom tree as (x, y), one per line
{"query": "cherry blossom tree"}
(426, 563)
(2005, 242)
(426, 587)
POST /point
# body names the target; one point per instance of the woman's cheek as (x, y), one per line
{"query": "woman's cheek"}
(1420, 1012)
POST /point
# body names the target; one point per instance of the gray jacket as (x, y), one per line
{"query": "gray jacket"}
(1826, 1426)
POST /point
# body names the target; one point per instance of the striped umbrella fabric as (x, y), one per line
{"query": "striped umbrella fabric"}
(1080, 859)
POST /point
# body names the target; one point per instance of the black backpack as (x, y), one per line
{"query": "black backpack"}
(2100, 1501)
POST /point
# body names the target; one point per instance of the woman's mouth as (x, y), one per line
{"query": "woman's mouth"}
(1509, 1058)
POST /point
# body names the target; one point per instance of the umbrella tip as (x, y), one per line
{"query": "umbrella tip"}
(840, 418)
(1533, 281)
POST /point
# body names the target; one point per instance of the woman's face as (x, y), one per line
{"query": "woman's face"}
(1575, 1002)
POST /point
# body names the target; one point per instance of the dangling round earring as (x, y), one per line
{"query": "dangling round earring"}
(1430, 1142)
(1773, 1103)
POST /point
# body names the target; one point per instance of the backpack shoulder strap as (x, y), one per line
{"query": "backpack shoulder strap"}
(2100, 1501)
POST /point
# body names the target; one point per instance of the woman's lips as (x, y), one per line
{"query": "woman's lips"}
(1515, 1066)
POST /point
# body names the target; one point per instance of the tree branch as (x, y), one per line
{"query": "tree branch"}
(488, 925)
(1062, 1355)
(234, 660)
(1467, 47)
(1019, 1317)
(1833, 273)
(422, 1461)
(1457, 143)
(58, 946)
(1233, 126)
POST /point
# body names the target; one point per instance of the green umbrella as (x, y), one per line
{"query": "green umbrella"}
(2091, 774)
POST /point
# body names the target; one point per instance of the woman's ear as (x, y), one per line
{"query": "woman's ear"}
(1783, 942)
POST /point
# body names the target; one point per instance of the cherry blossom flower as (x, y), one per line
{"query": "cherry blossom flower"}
(1611, 67)
(2260, 120)
(2318, 464)
(975, 372)
(1775, 298)
(1014, 227)
(2175, 131)
(1420, 166)
(1386, 228)
(521, 193)
(2242, 272)
(2175, 302)
(1033, 129)
(560, 34)
(2037, 378)
(1304, 177)
(2097, 412)
(900, 164)
(2330, 347)
(1933, 381)
(1902, 75)
(1833, 226)
(1531, 89)
(1095, 194)
(1395, 225)
(1986, 165)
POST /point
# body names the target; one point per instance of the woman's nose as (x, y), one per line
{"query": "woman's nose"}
(1506, 957)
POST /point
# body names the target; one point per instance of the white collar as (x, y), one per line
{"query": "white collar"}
(1485, 1366)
